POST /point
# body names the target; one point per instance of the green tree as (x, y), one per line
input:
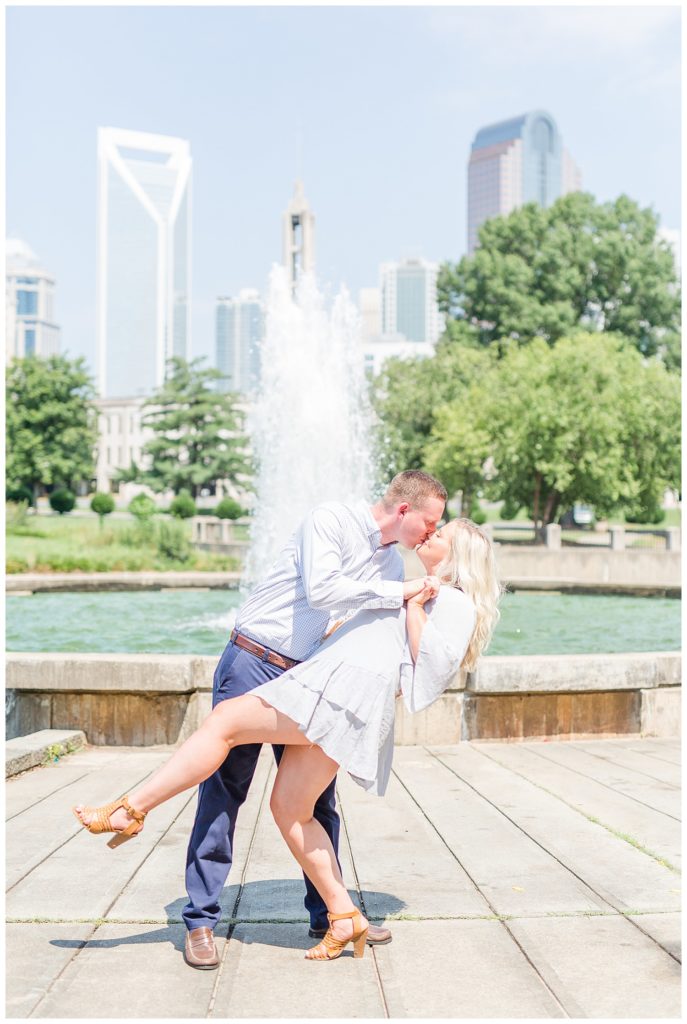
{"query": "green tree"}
(407, 394)
(51, 425)
(460, 443)
(578, 264)
(569, 423)
(198, 436)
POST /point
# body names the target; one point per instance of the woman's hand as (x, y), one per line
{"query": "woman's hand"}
(429, 589)
(414, 588)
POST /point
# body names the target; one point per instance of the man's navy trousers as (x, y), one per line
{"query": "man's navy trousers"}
(210, 849)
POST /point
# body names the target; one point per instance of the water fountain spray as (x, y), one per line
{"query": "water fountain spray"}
(310, 426)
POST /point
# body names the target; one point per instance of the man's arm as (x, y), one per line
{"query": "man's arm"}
(326, 586)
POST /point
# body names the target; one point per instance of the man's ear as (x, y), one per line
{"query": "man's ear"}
(402, 508)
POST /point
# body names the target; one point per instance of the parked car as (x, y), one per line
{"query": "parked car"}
(578, 516)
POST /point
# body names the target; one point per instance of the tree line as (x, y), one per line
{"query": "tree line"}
(52, 430)
(557, 377)
(556, 381)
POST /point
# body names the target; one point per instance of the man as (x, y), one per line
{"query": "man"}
(341, 559)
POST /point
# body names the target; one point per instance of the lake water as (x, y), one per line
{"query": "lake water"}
(199, 622)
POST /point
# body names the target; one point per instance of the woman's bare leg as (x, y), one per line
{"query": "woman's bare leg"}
(304, 772)
(244, 719)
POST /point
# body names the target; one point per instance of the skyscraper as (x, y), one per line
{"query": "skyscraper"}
(409, 300)
(239, 331)
(518, 161)
(144, 258)
(298, 235)
(30, 327)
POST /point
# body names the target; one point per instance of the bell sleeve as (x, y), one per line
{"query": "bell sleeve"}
(443, 643)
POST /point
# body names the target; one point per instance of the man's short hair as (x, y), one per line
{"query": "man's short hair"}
(415, 487)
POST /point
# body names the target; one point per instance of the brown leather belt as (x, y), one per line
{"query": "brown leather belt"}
(264, 653)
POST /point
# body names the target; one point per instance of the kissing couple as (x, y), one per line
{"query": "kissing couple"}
(323, 694)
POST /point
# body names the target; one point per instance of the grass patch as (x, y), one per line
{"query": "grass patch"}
(61, 544)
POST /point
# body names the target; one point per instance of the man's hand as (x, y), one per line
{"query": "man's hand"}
(428, 586)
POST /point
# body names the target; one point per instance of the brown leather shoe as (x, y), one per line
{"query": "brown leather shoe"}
(200, 950)
(376, 936)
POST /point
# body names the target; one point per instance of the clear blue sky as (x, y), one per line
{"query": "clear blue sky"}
(386, 101)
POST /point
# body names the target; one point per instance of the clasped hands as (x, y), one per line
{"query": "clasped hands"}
(419, 591)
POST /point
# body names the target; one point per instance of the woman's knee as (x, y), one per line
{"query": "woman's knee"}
(287, 810)
(220, 723)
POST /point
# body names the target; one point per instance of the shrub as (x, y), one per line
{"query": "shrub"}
(229, 509)
(16, 565)
(142, 506)
(102, 504)
(62, 500)
(509, 510)
(183, 506)
(476, 514)
(19, 494)
(645, 513)
(172, 542)
(15, 515)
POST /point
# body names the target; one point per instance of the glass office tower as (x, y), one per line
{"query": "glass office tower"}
(409, 300)
(240, 327)
(518, 161)
(144, 258)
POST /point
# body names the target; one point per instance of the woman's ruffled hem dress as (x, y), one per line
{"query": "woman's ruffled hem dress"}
(343, 697)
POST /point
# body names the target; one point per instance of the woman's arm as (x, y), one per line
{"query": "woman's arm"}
(416, 616)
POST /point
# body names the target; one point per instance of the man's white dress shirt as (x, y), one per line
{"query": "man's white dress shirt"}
(332, 565)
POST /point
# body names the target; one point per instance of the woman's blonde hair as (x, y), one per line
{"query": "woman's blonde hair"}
(471, 566)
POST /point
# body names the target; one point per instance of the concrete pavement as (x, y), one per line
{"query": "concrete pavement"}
(535, 879)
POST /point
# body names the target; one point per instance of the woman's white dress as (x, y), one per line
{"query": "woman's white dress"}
(343, 697)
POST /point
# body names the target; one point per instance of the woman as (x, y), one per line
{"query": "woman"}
(337, 710)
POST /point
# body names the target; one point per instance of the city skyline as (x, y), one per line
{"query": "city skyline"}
(384, 169)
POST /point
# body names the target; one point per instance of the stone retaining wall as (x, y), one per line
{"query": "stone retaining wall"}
(141, 700)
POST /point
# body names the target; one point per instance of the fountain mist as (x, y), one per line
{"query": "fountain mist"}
(310, 426)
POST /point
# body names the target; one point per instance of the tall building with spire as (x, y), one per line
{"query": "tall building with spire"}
(298, 235)
(518, 161)
(144, 259)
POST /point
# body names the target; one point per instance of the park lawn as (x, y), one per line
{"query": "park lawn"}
(80, 544)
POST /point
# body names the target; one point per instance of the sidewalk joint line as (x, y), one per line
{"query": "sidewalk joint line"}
(566, 867)
(47, 796)
(359, 890)
(59, 847)
(590, 817)
(234, 920)
(624, 767)
(618, 792)
(85, 942)
(486, 899)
